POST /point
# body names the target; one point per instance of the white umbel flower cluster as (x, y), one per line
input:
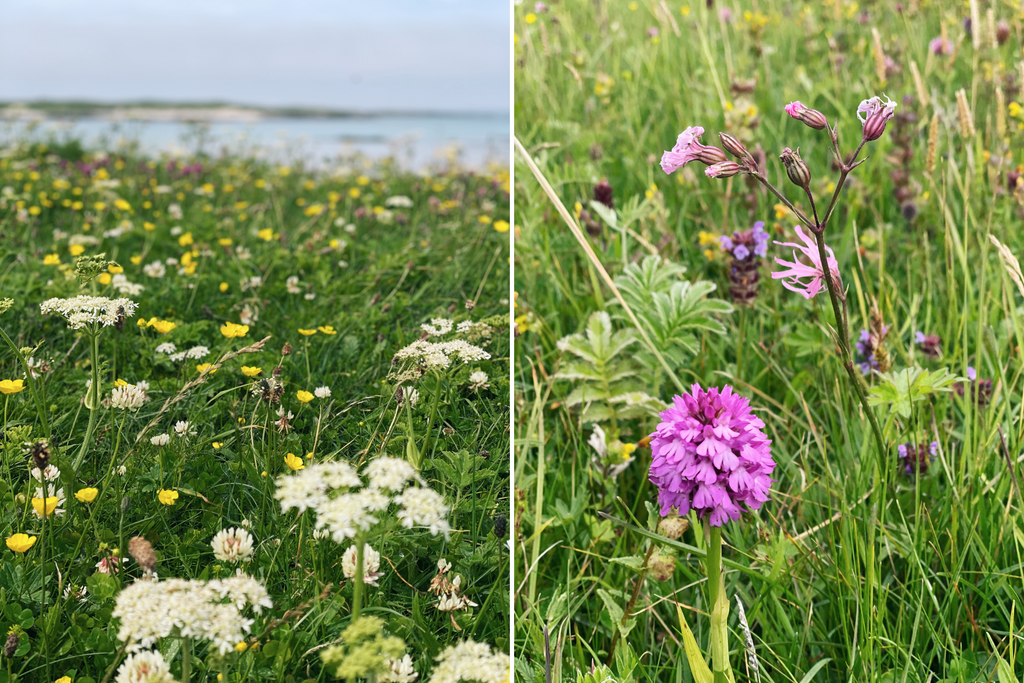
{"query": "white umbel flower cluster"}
(471, 661)
(437, 327)
(345, 506)
(127, 397)
(84, 310)
(204, 610)
(145, 667)
(439, 355)
(232, 545)
(371, 563)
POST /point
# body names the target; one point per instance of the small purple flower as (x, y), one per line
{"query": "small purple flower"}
(725, 242)
(972, 374)
(710, 454)
(652, 32)
(919, 337)
(740, 252)
(760, 239)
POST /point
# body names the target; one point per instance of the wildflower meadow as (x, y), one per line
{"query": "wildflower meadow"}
(255, 419)
(768, 371)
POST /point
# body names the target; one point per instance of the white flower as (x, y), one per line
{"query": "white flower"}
(390, 473)
(322, 392)
(412, 396)
(292, 285)
(425, 507)
(197, 352)
(121, 284)
(176, 230)
(160, 439)
(437, 327)
(204, 610)
(183, 428)
(471, 661)
(398, 202)
(166, 347)
(371, 563)
(232, 545)
(478, 380)
(147, 666)
(309, 296)
(174, 211)
(121, 470)
(433, 355)
(85, 310)
(399, 671)
(127, 397)
(156, 269)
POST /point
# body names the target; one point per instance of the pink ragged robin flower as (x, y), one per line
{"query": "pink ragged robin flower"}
(689, 148)
(793, 278)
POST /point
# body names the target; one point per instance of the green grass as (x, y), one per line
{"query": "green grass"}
(854, 571)
(374, 274)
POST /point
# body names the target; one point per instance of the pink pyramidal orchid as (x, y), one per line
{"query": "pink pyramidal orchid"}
(796, 272)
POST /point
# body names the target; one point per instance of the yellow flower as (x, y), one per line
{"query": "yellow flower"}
(294, 462)
(99, 206)
(51, 504)
(530, 18)
(362, 180)
(304, 396)
(354, 193)
(231, 330)
(120, 382)
(76, 249)
(162, 326)
(486, 220)
(63, 679)
(781, 210)
(241, 646)
(86, 495)
(20, 543)
(114, 268)
(150, 227)
(11, 386)
(104, 278)
(122, 204)
(167, 497)
(327, 329)
(217, 444)
(185, 239)
(136, 260)
(224, 241)
(306, 333)
(1015, 109)
(501, 226)
(51, 260)
(250, 371)
(314, 209)
(223, 287)
(627, 450)
(266, 234)
(203, 367)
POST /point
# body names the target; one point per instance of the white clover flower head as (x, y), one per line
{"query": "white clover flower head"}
(155, 270)
(127, 397)
(322, 392)
(120, 283)
(49, 474)
(292, 285)
(160, 439)
(438, 327)
(399, 671)
(147, 666)
(85, 310)
(184, 428)
(371, 563)
(398, 202)
(121, 470)
(232, 545)
(478, 380)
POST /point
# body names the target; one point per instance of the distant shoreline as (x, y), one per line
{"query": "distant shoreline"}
(201, 112)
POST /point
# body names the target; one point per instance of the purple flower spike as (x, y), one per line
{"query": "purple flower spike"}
(710, 454)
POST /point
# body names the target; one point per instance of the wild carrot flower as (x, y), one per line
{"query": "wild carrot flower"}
(471, 661)
(371, 563)
(688, 148)
(792, 278)
(80, 311)
(709, 454)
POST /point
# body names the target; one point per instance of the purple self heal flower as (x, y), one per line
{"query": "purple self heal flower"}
(740, 252)
(710, 454)
(725, 242)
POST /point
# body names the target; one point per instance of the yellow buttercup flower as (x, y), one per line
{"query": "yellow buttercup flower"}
(217, 444)
(11, 386)
(266, 234)
(203, 367)
(20, 543)
(104, 278)
(63, 679)
(304, 396)
(486, 220)
(231, 330)
(149, 227)
(76, 249)
(224, 241)
(115, 269)
(223, 287)
(86, 495)
(241, 646)
(162, 326)
(501, 226)
(186, 239)
(306, 333)
(51, 260)
(120, 382)
(250, 371)
(50, 504)
(167, 497)
(136, 260)
(294, 462)
(122, 205)
(327, 329)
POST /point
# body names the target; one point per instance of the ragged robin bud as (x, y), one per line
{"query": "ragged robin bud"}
(796, 168)
(735, 148)
(723, 169)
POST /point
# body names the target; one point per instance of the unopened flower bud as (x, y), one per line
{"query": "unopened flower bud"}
(876, 115)
(710, 155)
(1002, 31)
(603, 193)
(11, 645)
(735, 147)
(723, 169)
(796, 168)
(811, 117)
(673, 527)
(662, 567)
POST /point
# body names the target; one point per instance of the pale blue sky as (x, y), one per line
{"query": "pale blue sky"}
(447, 55)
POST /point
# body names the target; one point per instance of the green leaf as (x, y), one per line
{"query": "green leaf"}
(615, 611)
(101, 586)
(1005, 672)
(635, 562)
(900, 390)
